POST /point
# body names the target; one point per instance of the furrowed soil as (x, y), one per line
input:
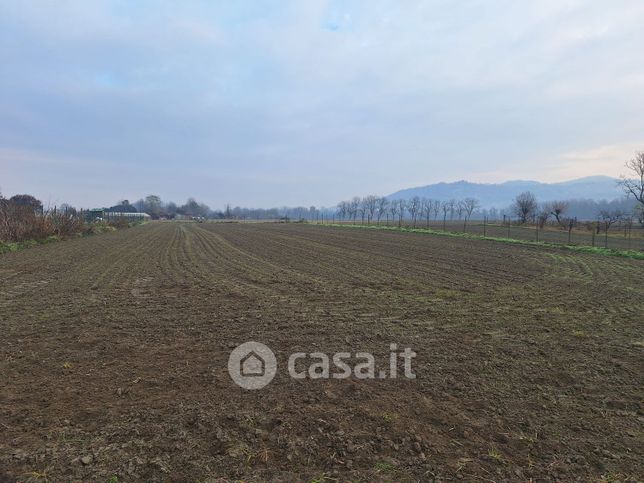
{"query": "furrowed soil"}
(114, 352)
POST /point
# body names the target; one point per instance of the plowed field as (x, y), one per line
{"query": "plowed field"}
(114, 352)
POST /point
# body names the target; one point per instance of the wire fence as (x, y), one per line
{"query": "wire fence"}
(622, 236)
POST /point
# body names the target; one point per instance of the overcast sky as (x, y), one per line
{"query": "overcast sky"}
(309, 102)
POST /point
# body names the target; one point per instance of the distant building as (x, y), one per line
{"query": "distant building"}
(107, 214)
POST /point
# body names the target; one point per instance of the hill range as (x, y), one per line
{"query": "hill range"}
(500, 195)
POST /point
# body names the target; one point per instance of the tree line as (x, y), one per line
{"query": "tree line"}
(377, 209)
(525, 208)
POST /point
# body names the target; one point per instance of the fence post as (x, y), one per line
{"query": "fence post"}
(484, 226)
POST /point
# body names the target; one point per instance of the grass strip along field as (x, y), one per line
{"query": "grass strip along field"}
(114, 356)
(638, 255)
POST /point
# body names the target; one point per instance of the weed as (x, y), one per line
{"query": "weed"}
(495, 455)
(250, 421)
(264, 455)
(532, 439)
(388, 417)
(616, 478)
(37, 476)
(382, 467)
(250, 456)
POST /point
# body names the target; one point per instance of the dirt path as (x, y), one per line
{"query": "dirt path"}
(113, 360)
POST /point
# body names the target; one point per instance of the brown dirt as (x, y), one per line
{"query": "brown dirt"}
(113, 361)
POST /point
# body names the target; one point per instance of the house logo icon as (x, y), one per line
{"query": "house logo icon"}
(252, 365)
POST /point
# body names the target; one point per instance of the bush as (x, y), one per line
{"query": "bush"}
(19, 223)
(23, 224)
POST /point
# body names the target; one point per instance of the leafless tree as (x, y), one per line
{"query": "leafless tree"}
(609, 218)
(426, 209)
(393, 209)
(436, 207)
(525, 206)
(362, 209)
(414, 208)
(635, 186)
(446, 207)
(541, 218)
(343, 209)
(469, 205)
(459, 208)
(370, 204)
(452, 208)
(558, 209)
(402, 209)
(639, 214)
(383, 204)
(354, 204)
(569, 223)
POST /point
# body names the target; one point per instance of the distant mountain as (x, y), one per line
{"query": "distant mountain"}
(502, 195)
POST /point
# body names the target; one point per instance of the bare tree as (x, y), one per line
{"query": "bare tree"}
(459, 208)
(542, 217)
(370, 205)
(609, 218)
(639, 214)
(414, 208)
(393, 209)
(469, 205)
(383, 204)
(426, 209)
(343, 209)
(354, 204)
(436, 207)
(525, 206)
(362, 209)
(446, 207)
(635, 187)
(558, 209)
(569, 223)
(402, 208)
(452, 208)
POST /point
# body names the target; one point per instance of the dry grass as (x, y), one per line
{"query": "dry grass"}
(23, 226)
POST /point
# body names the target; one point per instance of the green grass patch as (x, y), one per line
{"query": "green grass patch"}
(6, 247)
(634, 254)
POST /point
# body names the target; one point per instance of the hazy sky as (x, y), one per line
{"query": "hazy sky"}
(308, 102)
